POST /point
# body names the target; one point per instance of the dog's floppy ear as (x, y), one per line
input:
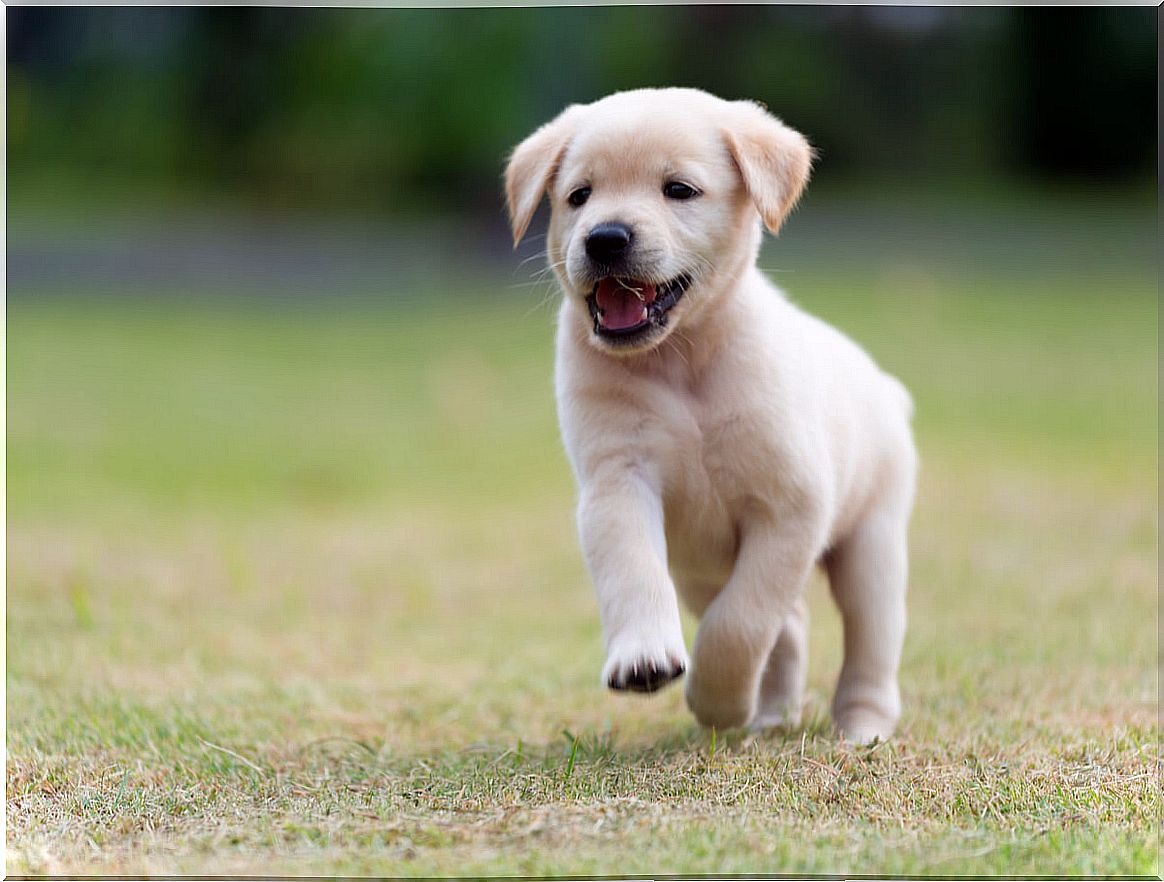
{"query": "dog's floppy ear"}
(773, 160)
(532, 166)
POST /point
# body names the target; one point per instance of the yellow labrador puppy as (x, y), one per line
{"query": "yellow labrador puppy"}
(724, 441)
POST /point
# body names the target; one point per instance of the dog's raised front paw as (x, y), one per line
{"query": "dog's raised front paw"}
(639, 670)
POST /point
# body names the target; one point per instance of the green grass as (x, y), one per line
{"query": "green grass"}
(297, 591)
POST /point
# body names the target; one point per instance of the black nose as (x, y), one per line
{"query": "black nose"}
(607, 241)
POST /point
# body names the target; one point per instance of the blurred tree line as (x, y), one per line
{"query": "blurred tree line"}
(401, 109)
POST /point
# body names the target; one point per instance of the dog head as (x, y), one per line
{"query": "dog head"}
(656, 198)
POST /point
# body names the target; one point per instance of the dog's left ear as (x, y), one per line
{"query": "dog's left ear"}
(532, 166)
(774, 160)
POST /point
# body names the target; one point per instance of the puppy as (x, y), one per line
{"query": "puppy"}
(724, 441)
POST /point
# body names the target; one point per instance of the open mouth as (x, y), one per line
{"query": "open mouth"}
(628, 309)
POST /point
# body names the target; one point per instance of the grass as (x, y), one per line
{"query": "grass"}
(297, 591)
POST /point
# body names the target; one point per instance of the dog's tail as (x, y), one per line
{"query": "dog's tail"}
(902, 394)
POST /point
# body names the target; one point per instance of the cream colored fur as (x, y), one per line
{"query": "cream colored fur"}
(750, 442)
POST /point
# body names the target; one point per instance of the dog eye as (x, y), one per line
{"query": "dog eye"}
(679, 190)
(579, 196)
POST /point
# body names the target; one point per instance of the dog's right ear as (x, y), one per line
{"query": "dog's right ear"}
(532, 166)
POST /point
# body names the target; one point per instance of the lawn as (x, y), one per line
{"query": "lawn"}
(295, 589)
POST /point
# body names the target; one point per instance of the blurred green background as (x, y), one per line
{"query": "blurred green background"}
(413, 110)
(323, 150)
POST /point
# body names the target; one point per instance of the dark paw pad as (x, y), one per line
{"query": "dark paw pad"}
(646, 675)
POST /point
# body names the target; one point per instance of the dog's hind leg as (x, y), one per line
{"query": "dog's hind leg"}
(867, 575)
(782, 686)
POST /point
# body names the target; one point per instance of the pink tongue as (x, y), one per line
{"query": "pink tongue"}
(619, 306)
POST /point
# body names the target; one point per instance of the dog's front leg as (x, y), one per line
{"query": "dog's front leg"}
(740, 627)
(620, 520)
